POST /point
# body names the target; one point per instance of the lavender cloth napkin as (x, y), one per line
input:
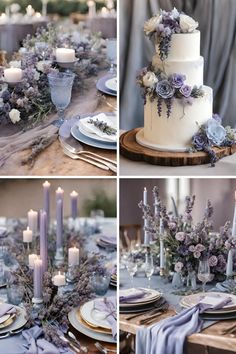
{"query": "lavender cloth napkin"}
(36, 345)
(108, 305)
(6, 309)
(111, 240)
(135, 296)
(168, 336)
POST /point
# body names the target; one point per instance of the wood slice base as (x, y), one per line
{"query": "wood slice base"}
(130, 149)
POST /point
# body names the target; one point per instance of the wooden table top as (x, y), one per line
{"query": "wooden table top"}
(211, 336)
(52, 161)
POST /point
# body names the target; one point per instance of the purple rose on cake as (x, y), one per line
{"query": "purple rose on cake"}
(177, 80)
(200, 141)
(186, 90)
(215, 132)
(164, 89)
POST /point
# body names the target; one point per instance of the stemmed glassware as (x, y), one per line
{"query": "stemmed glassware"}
(149, 267)
(112, 53)
(204, 273)
(132, 268)
(61, 86)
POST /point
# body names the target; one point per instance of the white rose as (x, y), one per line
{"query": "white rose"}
(15, 64)
(36, 75)
(14, 115)
(150, 25)
(150, 79)
(41, 64)
(187, 23)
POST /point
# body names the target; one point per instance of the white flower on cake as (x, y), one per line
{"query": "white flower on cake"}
(151, 25)
(187, 23)
(150, 79)
(14, 115)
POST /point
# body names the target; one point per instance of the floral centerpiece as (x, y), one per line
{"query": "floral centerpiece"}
(187, 242)
(162, 26)
(28, 101)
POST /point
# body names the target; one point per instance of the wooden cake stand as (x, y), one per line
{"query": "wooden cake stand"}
(130, 149)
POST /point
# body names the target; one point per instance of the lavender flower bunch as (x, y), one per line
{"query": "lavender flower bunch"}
(213, 134)
(157, 85)
(162, 26)
(186, 241)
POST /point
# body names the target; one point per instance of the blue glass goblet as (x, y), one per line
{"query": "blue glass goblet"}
(60, 87)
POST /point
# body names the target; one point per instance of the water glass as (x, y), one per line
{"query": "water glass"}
(112, 53)
(61, 86)
(15, 294)
(132, 268)
(100, 283)
(98, 217)
(204, 273)
(149, 268)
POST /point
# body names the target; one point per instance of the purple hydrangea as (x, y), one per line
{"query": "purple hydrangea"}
(186, 90)
(177, 80)
(215, 132)
(164, 89)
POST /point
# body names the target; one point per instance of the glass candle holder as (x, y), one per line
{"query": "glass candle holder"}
(60, 86)
(100, 283)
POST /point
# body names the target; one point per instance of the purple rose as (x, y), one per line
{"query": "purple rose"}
(180, 236)
(178, 267)
(186, 90)
(199, 247)
(164, 89)
(172, 225)
(177, 80)
(197, 254)
(213, 260)
(200, 140)
(191, 248)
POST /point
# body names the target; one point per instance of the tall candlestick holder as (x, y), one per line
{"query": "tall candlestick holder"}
(59, 257)
(70, 275)
(37, 303)
(74, 224)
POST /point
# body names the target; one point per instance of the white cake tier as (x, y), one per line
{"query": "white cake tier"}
(192, 69)
(175, 133)
(184, 46)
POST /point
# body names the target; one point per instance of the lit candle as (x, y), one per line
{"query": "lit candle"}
(73, 256)
(27, 235)
(59, 217)
(59, 193)
(13, 75)
(43, 240)
(46, 200)
(33, 220)
(65, 55)
(38, 279)
(30, 11)
(146, 233)
(234, 220)
(162, 255)
(145, 196)
(59, 279)
(74, 207)
(32, 259)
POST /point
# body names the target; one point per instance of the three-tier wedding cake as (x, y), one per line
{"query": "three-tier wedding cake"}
(176, 101)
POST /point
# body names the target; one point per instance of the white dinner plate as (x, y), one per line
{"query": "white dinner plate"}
(94, 317)
(194, 299)
(150, 296)
(4, 318)
(94, 136)
(111, 84)
(72, 316)
(19, 322)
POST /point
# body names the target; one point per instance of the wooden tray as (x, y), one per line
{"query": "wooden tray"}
(130, 149)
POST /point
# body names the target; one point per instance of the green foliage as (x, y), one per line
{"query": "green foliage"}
(100, 200)
(61, 7)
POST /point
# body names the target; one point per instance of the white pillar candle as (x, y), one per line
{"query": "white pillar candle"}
(234, 220)
(32, 259)
(59, 279)
(65, 55)
(27, 235)
(33, 220)
(13, 75)
(73, 256)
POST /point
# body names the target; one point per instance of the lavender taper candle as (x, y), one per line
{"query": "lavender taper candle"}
(43, 240)
(46, 200)
(38, 279)
(74, 206)
(59, 217)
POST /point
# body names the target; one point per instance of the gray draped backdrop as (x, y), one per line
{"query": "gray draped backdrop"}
(217, 23)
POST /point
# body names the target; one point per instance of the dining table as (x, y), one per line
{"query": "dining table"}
(50, 160)
(15, 344)
(209, 340)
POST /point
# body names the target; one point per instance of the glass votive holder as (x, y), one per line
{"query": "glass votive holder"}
(100, 283)
(15, 294)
